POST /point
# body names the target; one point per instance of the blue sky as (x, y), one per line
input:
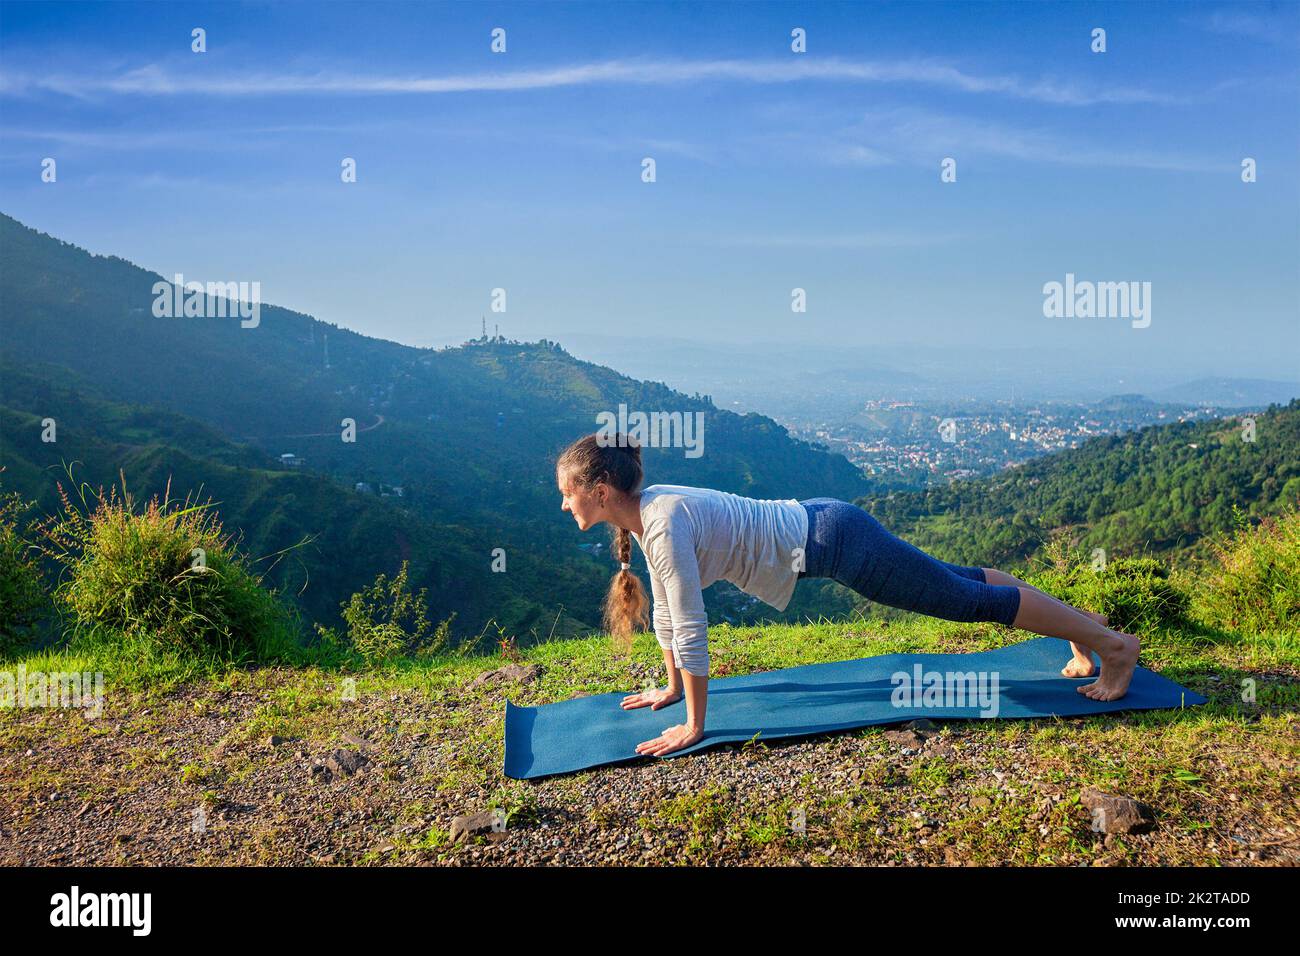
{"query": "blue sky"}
(775, 170)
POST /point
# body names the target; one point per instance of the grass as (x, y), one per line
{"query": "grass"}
(1230, 755)
(184, 728)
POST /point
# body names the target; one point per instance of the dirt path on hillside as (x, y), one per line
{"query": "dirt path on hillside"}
(379, 420)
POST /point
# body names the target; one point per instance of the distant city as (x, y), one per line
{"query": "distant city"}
(912, 417)
(916, 443)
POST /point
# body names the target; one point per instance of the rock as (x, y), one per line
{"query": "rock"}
(346, 762)
(274, 740)
(908, 739)
(359, 742)
(472, 824)
(939, 746)
(523, 673)
(1115, 813)
(921, 723)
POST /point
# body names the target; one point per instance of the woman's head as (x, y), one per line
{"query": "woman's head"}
(592, 471)
(590, 474)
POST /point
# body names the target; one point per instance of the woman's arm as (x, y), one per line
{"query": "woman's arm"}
(674, 675)
(663, 625)
(670, 552)
(697, 701)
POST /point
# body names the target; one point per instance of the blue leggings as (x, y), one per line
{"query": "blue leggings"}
(849, 546)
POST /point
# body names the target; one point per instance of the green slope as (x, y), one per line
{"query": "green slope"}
(469, 433)
(1162, 489)
(353, 537)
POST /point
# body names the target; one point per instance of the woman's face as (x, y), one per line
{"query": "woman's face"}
(583, 503)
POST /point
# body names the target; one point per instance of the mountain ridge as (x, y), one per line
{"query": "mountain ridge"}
(469, 433)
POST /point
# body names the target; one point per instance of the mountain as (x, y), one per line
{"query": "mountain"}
(1229, 392)
(469, 434)
(816, 380)
(272, 510)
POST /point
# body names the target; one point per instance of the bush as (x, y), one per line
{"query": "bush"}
(385, 620)
(1133, 593)
(167, 576)
(1257, 585)
(23, 601)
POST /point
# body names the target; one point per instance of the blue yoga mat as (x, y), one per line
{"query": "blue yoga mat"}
(1023, 680)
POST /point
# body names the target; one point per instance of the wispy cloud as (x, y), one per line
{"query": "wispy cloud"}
(1251, 25)
(136, 140)
(865, 240)
(155, 80)
(851, 154)
(926, 136)
(196, 137)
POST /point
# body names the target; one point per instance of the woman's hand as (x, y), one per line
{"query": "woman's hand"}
(654, 699)
(674, 738)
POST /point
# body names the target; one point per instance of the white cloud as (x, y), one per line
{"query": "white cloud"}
(154, 80)
(925, 136)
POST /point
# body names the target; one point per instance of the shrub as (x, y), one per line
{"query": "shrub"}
(23, 601)
(166, 575)
(1133, 593)
(1257, 584)
(385, 620)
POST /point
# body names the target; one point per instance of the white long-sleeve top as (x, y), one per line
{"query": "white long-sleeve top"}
(692, 537)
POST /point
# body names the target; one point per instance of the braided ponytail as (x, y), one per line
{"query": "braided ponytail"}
(626, 608)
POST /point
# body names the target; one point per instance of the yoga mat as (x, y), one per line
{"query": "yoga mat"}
(821, 698)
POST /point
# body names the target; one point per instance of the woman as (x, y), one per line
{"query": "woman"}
(692, 537)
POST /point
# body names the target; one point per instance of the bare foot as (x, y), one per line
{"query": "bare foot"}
(1116, 671)
(1081, 664)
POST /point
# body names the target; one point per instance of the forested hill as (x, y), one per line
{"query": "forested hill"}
(1160, 489)
(468, 420)
(468, 434)
(329, 540)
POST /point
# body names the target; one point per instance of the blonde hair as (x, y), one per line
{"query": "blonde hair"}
(589, 461)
